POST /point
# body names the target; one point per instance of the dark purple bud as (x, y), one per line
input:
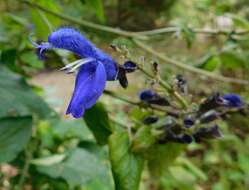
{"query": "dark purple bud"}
(211, 102)
(188, 121)
(129, 66)
(184, 138)
(122, 77)
(146, 95)
(207, 133)
(232, 100)
(209, 116)
(152, 97)
(181, 138)
(150, 120)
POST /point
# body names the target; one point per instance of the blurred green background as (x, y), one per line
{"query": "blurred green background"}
(41, 148)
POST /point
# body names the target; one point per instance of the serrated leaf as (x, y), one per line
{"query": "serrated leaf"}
(160, 157)
(98, 122)
(81, 168)
(126, 166)
(15, 132)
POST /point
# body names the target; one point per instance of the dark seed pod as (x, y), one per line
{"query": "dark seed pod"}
(122, 77)
(129, 66)
(188, 121)
(207, 133)
(155, 67)
(209, 116)
(150, 120)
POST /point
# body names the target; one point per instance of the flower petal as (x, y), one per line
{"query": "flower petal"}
(70, 39)
(89, 86)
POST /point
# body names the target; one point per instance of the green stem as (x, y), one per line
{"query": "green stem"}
(85, 23)
(24, 173)
(195, 30)
(139, 104)
(139, 35)
(189, 68)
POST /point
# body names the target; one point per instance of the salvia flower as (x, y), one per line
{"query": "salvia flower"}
(95, 68)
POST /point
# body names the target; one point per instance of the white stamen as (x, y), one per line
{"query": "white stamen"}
(72, 67)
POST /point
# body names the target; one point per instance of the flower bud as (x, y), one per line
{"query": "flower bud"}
(150, 120)
(209, 116)
(129, 66)
(151, 97)
(188, 121)
(207, 133)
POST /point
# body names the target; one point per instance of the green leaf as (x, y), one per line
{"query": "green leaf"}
(232, 60)
(98, 122)
(81, 168)
(97, 5)
(19, 99)
(240, 21)
(193, 168)
(45, 23)
(49, 160)
(32, 60)
(15, 132)
(160, 157)
(188, 34)
(210, 63)
(126, 166)
(143, 139)
(66, 129)
(182, 175)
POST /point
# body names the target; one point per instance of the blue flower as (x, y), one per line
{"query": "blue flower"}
(95, 68)
(232, 100)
